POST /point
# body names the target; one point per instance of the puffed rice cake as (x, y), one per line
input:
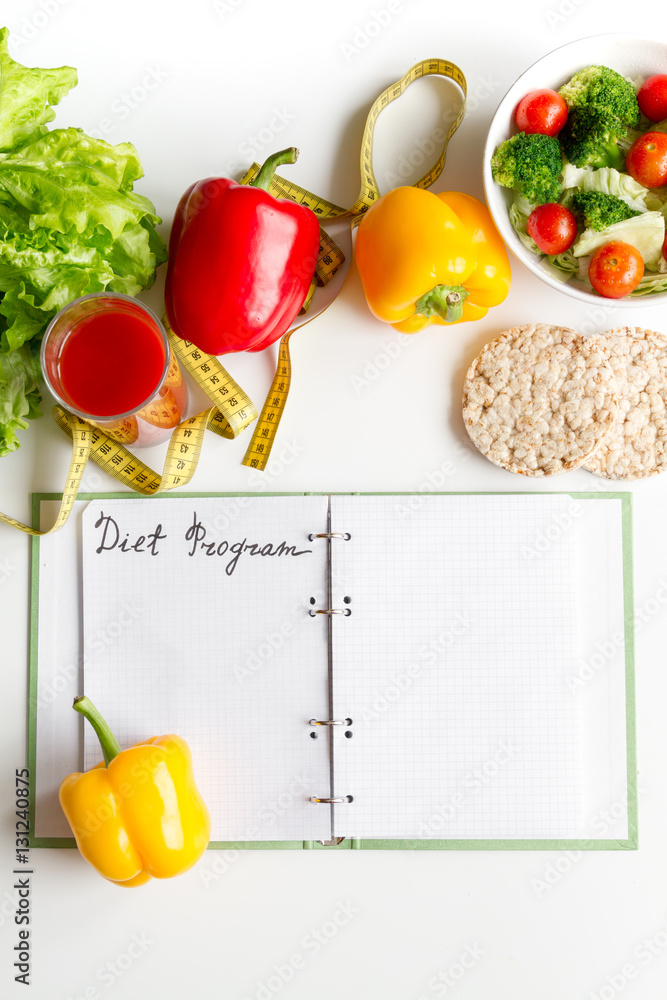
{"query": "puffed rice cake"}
(635, 446)
(539, 399)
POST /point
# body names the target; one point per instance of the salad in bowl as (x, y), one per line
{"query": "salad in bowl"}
(576, 169)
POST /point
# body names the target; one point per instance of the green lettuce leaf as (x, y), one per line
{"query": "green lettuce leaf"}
(573, 176)
(66, 179)
(562, 266)
(26, 96)
(650, 284)
(19, 395)
(608, 180)
(70, 224)
(519, 211)
(644, 232)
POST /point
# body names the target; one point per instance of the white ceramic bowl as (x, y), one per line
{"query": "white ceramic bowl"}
(627, 54)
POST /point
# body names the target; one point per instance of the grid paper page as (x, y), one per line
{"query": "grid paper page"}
(225, 654)
(454, 667)
(599, 680)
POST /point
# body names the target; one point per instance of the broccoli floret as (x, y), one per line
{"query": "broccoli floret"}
(599, 210)
(530, 164)
(602, 106)
(602, 89)
(590, 138)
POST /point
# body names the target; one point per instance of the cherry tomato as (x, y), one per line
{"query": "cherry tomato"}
(553, 227)
(646, 161)
(652, 97)
(542, 111)
(615, 269)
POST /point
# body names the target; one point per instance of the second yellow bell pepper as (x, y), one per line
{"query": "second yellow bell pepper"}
(430, 258)
(137, 815)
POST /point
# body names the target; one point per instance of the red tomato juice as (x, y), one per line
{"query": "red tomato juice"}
(111, 362)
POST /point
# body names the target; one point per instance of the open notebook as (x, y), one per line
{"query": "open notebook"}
(427, 662)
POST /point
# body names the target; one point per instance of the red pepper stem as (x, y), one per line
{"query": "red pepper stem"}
(108, 742)
(271, 164)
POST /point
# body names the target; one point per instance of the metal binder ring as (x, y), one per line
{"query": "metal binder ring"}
(330, 611)
(329, 722)
(331, 534)
(332, 802)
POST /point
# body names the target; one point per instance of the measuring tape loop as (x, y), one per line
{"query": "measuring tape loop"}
(232, 410)
(370, 191)
(330, 256)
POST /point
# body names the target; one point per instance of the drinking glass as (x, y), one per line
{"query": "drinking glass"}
(150, 419)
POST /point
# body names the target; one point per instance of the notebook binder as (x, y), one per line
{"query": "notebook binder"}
(331, 799)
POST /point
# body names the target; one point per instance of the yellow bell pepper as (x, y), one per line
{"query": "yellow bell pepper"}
(138, 814)
(430, 258)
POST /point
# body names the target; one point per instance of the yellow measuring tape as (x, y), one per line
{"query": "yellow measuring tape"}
(231, 409)
(231, 413)
(331, 257)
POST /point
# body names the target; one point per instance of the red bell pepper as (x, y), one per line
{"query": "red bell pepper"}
(240, 262)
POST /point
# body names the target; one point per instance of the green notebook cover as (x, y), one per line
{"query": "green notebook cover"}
(348, 843)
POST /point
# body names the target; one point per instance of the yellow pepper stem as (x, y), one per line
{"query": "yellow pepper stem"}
(445, 301)
(110, 745)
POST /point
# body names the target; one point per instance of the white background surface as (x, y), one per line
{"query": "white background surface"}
(531, 924)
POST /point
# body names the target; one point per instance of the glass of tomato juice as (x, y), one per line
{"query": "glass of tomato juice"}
(106, 357)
